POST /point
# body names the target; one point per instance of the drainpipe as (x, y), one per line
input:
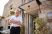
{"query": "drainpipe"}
(22, 19)
(39, 3)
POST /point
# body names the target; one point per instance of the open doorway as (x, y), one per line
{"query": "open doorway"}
(29, 23)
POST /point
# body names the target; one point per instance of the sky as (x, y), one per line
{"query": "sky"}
(2, 3)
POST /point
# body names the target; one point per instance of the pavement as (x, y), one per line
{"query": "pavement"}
(5, 31)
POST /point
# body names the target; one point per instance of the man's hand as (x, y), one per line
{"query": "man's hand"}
(12, 21)
(17, 22)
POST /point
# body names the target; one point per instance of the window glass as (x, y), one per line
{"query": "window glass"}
(49, 17)
(49, 14)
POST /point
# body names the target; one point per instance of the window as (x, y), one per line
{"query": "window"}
(49, 15)
(8, 27)
(49, 0)
(30, 0)
(0, 20)
(23, 1)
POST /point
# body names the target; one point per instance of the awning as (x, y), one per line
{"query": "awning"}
(30, 7)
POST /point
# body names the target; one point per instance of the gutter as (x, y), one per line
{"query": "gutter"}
(26, 3)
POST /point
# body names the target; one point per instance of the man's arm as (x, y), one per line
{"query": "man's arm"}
(7, 20)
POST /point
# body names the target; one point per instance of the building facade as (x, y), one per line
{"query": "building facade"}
(31, 11)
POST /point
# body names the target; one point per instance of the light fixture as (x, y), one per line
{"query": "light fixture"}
(29, 6)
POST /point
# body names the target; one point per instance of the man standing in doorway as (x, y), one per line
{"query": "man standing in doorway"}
(15, 22)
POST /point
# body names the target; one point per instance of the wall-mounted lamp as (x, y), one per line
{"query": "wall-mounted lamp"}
(29, 6)
(11, 6)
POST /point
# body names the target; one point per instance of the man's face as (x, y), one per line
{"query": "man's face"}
(17, 13)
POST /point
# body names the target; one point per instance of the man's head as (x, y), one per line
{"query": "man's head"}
(17, 12)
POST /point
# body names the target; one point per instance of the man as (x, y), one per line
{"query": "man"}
(15, 22)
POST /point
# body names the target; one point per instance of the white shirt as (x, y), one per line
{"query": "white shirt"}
(19, 18)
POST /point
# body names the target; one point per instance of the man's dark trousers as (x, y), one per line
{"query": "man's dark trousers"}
(15, 30)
